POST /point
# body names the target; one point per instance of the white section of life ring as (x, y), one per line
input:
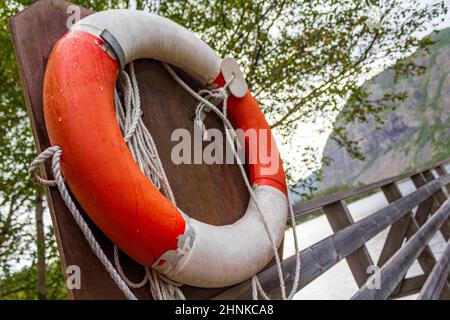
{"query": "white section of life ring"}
(145, 35)
(224, 255)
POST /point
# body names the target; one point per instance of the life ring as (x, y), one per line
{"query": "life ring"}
(98, 167)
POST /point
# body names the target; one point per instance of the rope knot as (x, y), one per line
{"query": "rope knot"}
(214, 97)
(38, 162)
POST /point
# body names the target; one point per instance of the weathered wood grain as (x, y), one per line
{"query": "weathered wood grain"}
(359, 261)
(394, 270)
(425, 207)
(397, 232)
(214, 194)
(409, 286)
(303, 207)
(321, 256)
(437, 280)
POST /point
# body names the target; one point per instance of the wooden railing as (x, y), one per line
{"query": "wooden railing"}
(416, 217)
(408, 216)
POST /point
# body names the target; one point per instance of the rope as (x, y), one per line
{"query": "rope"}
(143, 149)
(136, 134)
(222, 94)
(36, 164)
(55, 153)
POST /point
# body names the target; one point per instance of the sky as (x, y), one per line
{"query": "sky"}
(309, 133)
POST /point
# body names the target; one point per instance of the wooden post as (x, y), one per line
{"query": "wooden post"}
(392, 273)
(360, 260)
(426, 258)
(439, 195)
(397, 233)
(442, 171)
(440, 198)
(214, 194)
(425, 208)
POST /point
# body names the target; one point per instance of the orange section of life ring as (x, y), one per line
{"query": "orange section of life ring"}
(96, 162)
(263, 160)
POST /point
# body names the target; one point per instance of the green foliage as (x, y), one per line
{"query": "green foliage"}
(16, 152)
(17, 192)
(301, 59)
(22, 285)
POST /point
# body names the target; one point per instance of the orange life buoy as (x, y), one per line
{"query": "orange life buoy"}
(105, 179)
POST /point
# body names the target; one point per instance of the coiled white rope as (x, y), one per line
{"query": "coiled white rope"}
(204, 102)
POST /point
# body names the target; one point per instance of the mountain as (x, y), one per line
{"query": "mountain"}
(416, 133)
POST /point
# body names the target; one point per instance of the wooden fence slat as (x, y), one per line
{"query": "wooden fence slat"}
(425, 207)
(321, 256)
(360, 260)
(440, 198)
(216, 194)
(395, 269)
(429, 176)
(405, 228)
(409, 286)
(426, 258)
(306, 206)
(442, 171)
(397, 232)
(437, 280)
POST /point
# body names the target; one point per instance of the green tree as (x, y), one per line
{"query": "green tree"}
(24, 240)
(302, 59)
(16, 150)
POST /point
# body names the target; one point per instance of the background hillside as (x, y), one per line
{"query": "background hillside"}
(415, 133)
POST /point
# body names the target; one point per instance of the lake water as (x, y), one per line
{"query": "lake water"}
(338, 282)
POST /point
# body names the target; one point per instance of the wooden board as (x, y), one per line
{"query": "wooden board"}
(359, 261)
(211, 193)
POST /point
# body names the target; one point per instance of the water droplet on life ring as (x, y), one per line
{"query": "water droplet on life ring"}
(60, 119)
(101, 88)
